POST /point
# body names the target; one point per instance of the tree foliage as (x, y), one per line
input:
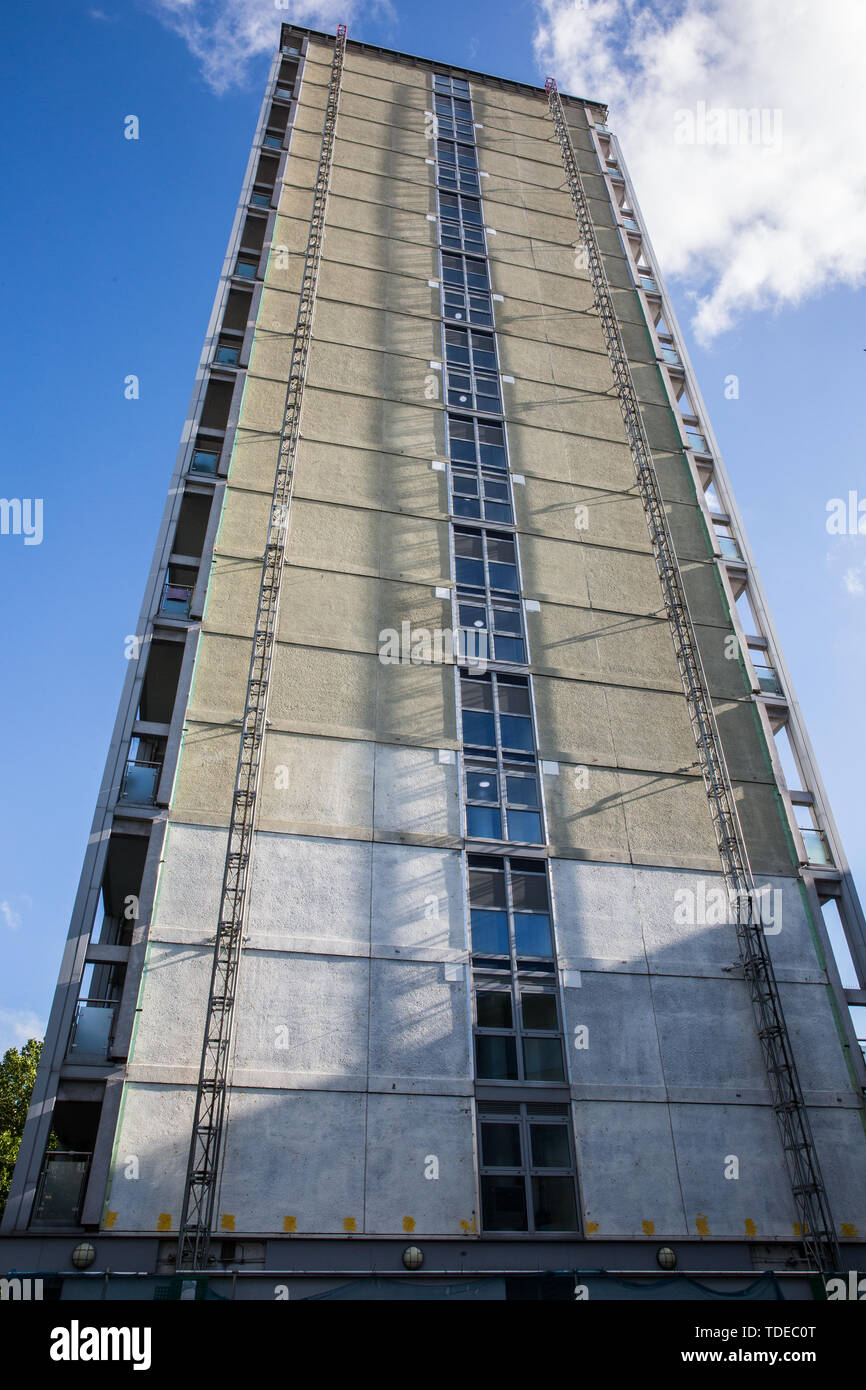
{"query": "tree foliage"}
(17, 1075)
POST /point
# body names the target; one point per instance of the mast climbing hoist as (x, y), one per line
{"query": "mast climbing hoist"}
(815, 1221)
(208, 1132)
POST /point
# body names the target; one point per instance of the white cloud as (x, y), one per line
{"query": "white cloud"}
(223, 35)
(747, 226)
(17, 1025)
(9, 915)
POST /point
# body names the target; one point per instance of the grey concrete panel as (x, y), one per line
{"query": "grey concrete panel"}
(279, 1173)
(585, 814)
(150, 1158)
(617, 1032)
(707, 1035)
(578, 513)
(419, 1023)
(418, 908)
(406, 1193)
(668, 820)
(707, 1137)
(310, 1016)
(416, 796)
(627, 1169)
(314, 893)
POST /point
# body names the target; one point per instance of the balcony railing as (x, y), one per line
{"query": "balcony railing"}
(176, 599)
(768, 681)
(203, 461)
(729, 548)
(92, 1028)
(817, 851)
(61, 1188)
(140, 781)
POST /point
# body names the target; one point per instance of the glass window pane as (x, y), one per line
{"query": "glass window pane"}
(521, 791)
(468, 543)
(489, 932)
(553, 1204)
(476, 694)
(510, 649)
(529, 890)
(516, 732)
(486, 888)
(506, 620)
(478, 729)
(482, 786)
(498, 511)
(495, 1058)
(494, 1009)
(550, 1147)
(532, 933)
(513, 697)
(500, 1146)
(471, 615)
(539, 1011)
(500, 548)
(503, 1203)
(504, 577)
(483, 822)
(542, 1059)
(467, 506)
(469, 572)
(524, 826)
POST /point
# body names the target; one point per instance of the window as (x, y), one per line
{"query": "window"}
(527, 1167)
(460, 223)
(246, 268)
(204, 460)
(261, 199)
(478, 492)
(501, 624)
(476, 441)
(510, 924)
(457, 166)
(466, 290)
(453, 117)
(727, 541)
(450, 86)
(472, 379)
(503, 797)
(485, 560)
(228, 352)
(273, 142)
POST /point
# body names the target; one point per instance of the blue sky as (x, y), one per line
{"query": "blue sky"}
(113, 248)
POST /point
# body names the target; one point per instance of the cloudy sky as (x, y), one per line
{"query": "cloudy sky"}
(112, 254)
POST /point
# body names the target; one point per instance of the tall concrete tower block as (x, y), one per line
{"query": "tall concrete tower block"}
(448, 916)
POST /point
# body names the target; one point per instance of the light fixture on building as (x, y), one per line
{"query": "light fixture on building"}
(666, 1257)
(83, 1255)
(413, 1258)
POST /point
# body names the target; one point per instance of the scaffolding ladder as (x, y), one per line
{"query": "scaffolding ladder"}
(815, 1222)
(206, 1144)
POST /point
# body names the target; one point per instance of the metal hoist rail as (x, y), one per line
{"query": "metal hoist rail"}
(208, 1125)
(816, 1227)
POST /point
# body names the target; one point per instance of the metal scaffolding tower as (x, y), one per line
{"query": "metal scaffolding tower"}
(206, 1145)
(810, 1199)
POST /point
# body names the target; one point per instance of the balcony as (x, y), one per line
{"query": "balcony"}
(92, 1030)
(768, 681)
(817, 851)
(176, 599)
(61, 1188)
(140, 781)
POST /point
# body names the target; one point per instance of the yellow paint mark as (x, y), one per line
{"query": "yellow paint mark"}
(591, 1228)
(468, 1227)
(848, 1229)
(163, 1221)
(408, 1225)
(110, 1218)
(290, 1224)
(703, 1226)
(751, 1228)
(798, 1229)
(227, 1221)
(349, 1223)
(648, 1227)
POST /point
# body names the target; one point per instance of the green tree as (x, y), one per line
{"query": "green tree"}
(17, 1075)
